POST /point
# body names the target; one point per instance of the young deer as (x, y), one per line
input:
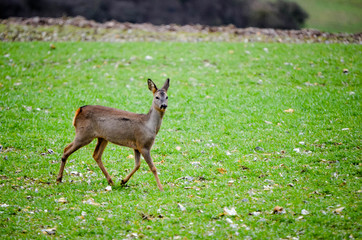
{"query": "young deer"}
(137, 131)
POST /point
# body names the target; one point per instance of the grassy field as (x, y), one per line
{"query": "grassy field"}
(333, 15)
(249, 126)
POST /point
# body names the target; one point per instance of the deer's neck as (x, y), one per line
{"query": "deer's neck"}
(154, 119)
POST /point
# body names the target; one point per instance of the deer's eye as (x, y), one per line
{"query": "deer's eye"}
(157, 98)
(167, 97)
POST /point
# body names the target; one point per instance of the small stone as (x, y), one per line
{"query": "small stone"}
(108, 188)
(259, 148)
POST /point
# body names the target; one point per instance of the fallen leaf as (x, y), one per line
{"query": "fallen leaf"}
(339, 210)
(49, 231)
(278, 210)
(255, 213)
(289, 110)
(196, 164)
(230, 212)
(182, 208)
(90, 202)
(109, 188)
(297, 150)
(61, 200)
(221, 170)
(100, 219)
(267, 122)
(304, 212)
(231, 182)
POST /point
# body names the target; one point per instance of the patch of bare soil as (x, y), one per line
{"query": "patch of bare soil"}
(81, 29)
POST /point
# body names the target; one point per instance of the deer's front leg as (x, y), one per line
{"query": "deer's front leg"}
(137, 164)
(147, 156)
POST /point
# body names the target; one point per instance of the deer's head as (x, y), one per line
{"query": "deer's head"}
(160, 98)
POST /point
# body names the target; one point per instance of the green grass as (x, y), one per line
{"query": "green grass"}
(225, 99)
(333, 15)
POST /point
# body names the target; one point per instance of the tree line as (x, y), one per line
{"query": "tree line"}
(279, 14)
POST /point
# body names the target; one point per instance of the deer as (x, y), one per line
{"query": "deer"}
(128, 129)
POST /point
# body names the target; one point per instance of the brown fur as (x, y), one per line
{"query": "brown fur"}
(79, 110)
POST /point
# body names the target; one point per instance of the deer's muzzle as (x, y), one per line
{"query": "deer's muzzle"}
(163, 106)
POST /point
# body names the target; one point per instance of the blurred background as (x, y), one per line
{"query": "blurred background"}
(325, 15)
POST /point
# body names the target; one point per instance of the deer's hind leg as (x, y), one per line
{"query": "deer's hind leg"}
(68, 150)
(97, 155)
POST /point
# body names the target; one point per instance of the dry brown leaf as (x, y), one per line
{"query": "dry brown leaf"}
(221, 170)
(278, 210)
(62, 200)
(339, 210)
(289, 110)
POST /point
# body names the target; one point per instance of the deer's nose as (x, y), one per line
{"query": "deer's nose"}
(163, 106)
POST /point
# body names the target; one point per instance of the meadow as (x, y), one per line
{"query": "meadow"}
(260, 141)
(333, 15)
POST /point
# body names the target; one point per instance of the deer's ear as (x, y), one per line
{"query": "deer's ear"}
(152, 86)
(166, 85)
